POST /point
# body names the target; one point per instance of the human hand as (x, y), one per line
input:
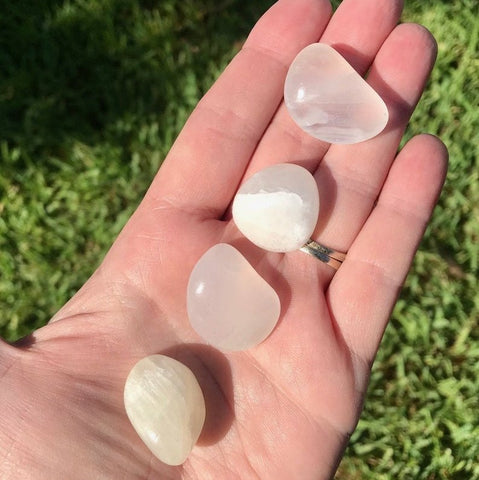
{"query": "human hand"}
(286, 408)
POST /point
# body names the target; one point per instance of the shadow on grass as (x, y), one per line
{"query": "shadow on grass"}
(92, 93)
(83, 69)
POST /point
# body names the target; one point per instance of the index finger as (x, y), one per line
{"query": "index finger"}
(207, 162)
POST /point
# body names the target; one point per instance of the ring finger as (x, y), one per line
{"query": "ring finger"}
(350, 177)
(357, 30)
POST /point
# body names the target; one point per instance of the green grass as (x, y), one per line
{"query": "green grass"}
(421, 417)
(93, 92)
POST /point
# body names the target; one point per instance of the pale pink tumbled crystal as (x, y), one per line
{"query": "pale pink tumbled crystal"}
(329, 100)
(229, 304)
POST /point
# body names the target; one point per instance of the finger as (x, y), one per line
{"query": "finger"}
(351, 176)
(208, 159)
(7, 357)
(364, 290)
(200, 175)
(357, 30)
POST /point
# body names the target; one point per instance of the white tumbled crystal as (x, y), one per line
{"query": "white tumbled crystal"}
(277, 208)
(229, 304)
(165, 405)
(329, 100)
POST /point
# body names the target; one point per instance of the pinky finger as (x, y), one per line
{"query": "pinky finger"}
(364, 290)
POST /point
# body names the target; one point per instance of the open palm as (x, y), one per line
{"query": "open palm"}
(286, 408)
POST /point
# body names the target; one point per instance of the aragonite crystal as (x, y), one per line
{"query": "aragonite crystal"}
(165, 405)
(229, 304)
(329, 100)
(277, 208)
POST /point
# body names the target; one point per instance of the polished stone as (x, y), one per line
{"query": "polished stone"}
(165, 405)
(229, 304)
(329, 100)
(277, 208)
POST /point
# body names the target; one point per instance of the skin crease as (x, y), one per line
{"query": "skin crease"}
(285, 409)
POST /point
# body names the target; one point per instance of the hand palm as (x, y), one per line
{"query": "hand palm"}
(285, 408)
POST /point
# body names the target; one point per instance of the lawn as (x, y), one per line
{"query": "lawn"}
(92, 94)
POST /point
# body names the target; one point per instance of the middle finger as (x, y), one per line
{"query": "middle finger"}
(350, 177)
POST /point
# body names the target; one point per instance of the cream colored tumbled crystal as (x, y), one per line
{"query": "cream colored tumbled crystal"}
(229, 304)
(329, 100)
(165, 405)
(277, 208)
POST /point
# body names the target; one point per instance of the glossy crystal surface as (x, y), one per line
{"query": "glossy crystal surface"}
(329, 100)
(229, 304)
(165, 405)
(277, 208)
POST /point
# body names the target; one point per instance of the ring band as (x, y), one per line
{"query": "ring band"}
(327, 255)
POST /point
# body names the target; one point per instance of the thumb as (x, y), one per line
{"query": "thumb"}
(7, 357)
